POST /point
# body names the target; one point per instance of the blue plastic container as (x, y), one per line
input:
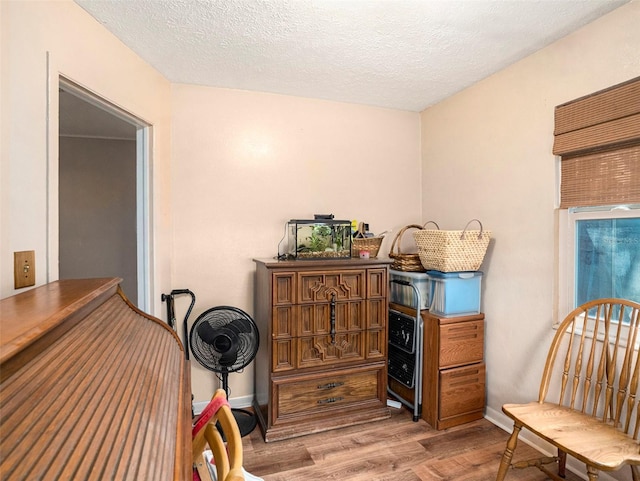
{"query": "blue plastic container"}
(455, 293)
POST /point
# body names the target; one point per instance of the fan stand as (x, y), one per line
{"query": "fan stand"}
(246, 420)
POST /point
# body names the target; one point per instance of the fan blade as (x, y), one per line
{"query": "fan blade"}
(207, 333)
(229, 358)
(239, 325)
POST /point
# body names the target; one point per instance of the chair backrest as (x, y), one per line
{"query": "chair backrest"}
(228, 458)
(593, 364)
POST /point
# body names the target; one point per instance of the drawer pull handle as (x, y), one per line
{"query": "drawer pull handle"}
(330, 385)
(333, 317)
(330, 400)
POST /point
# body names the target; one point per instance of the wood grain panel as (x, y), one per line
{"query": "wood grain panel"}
(327, 392)
(107, 400)
(283, 355)
(284, 325)
(284, 288)
(376, 344)
(377, 283)
(461, 343)
(319, 350)
(462, 390)
(318, 286)
(377, 312)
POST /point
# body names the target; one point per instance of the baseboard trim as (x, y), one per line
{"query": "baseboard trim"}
(236, 403)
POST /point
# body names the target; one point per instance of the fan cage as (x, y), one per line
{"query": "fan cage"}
(220, 333)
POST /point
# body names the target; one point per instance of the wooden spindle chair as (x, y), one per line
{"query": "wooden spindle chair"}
(588, 399)
(228, 456)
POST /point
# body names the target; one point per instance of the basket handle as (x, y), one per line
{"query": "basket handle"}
(399, 235)
(465, 229)
(360, 232)
(431, 222)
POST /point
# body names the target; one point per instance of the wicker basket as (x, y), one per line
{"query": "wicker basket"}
(404, 262)
(362, 243)
(371, 244)
(452, 250)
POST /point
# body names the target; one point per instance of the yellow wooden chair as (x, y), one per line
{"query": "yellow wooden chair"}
(228, 457)
(588, 400)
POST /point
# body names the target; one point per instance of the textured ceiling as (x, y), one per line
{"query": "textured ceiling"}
(401, 54)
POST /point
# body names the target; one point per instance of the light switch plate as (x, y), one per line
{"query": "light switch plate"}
(24, 269)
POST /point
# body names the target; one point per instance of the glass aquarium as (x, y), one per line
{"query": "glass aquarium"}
(319, 239)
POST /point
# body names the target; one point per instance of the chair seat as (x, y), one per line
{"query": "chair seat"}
(584, 437)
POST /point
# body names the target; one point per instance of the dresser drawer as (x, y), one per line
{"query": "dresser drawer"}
(313, 319)
(328, 391)
(318, 351)
(462, 390)
(322, 286)
(461, 343)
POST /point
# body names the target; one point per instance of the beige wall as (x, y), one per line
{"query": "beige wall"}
(40, 41)
(486, 153)
(244, 163)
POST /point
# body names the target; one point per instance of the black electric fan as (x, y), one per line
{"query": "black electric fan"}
(225, 339)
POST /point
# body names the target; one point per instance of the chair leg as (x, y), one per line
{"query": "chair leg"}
(592, 473)
(562, 463)
(507, 456)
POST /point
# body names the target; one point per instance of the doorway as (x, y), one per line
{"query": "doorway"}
(102, 193)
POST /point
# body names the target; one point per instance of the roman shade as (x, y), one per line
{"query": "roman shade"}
(598, 139)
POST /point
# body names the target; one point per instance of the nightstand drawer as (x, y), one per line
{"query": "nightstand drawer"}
(462, 390)
(461, 343)
(314, 394)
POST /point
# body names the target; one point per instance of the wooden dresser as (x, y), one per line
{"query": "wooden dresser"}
(453, 378)
(91, 388)
(322, 362)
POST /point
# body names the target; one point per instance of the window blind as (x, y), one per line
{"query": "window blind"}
(604, 178)
(598, 139)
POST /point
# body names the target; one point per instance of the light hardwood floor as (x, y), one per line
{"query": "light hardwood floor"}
(396, 449)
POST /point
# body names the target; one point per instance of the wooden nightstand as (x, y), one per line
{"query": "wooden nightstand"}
(453, 378)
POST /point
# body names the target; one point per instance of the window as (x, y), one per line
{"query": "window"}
(604, 249)
(598, 140)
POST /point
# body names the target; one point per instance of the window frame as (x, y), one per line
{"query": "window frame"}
(598, 134)
(567, 248)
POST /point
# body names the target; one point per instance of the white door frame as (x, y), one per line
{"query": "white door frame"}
(144, 216)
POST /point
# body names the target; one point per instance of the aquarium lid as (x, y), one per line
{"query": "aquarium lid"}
(318, 221)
